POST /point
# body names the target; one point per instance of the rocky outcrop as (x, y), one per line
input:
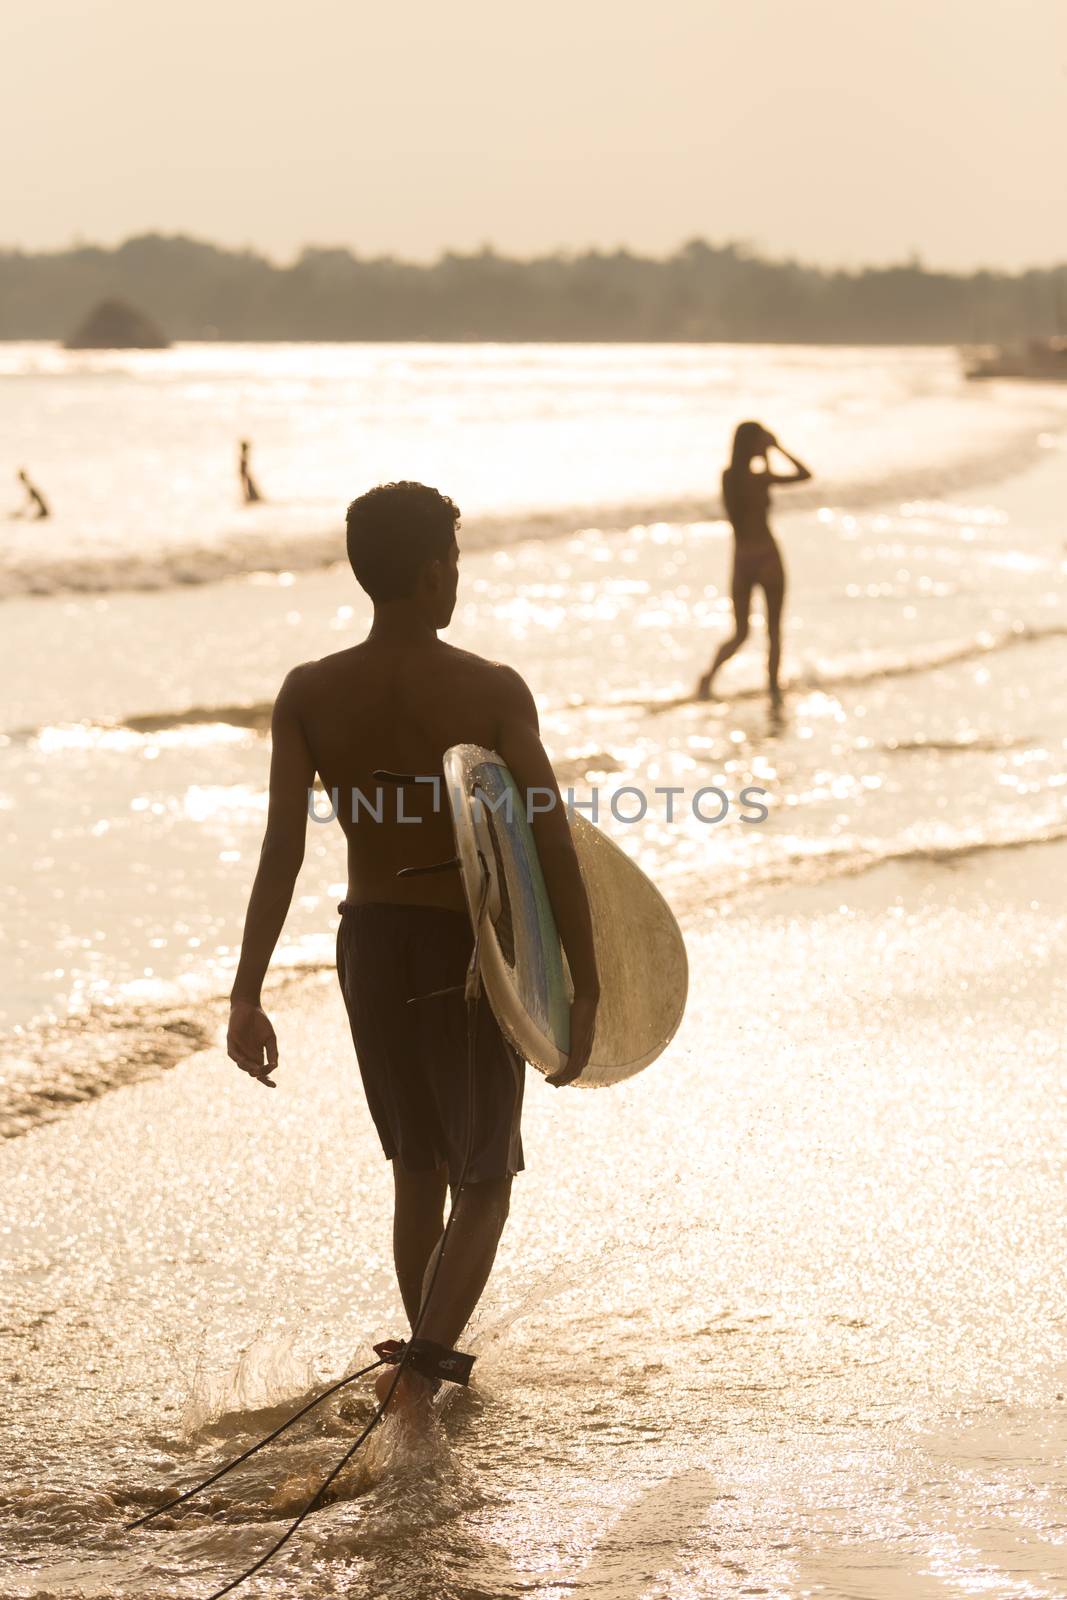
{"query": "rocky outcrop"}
(114, 325)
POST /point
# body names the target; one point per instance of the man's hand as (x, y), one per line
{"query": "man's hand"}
(251, 1041)
(583, 1026)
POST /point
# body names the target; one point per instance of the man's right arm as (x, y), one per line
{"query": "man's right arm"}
(519, 746)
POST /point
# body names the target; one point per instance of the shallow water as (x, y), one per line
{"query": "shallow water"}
(136, 450)
(925, 645)
(784, 1315)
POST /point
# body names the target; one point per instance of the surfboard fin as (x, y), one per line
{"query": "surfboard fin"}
(430, 1359)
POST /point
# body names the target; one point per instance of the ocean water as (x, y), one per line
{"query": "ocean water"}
(825, 1351)
(137, 451)
(132, 789)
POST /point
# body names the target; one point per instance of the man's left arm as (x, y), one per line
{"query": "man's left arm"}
(251, 1040)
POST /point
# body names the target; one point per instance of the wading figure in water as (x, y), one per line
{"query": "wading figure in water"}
(36, 507)
(249, 490)
(746, 494)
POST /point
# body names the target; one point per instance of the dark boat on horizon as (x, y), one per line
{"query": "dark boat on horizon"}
(1042, 360)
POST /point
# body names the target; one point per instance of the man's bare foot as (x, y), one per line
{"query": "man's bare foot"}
(410, 1398)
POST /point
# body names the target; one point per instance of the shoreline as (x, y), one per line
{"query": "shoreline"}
(70, 1062)
(416, 341)
(56, 1060)
(874, 1081)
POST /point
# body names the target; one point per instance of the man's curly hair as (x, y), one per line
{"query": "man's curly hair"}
(393, 531)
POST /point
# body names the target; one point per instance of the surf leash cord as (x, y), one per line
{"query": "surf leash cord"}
(421, 1355)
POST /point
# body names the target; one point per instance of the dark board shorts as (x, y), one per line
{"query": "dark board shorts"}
(413, 1058)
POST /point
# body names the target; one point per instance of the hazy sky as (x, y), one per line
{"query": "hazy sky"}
(843, 131)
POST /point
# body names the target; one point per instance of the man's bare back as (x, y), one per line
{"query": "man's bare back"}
(396, 703)
(383, 705)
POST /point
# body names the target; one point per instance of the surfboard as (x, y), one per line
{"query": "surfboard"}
(641, 958)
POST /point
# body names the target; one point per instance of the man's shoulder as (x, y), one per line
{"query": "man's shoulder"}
(309, 679)
(493, 681)
(481, 666)
(473, 676)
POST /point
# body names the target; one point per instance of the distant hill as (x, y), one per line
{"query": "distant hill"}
(114, 325)
(702, 293)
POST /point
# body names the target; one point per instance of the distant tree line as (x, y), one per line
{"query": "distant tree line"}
(703, 292)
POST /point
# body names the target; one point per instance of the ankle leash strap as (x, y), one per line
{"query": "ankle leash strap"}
(430, 1359)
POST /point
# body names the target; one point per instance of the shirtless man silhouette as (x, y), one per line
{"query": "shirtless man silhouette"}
(396, 702)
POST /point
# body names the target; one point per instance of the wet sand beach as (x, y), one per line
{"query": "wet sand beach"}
(784, 1315)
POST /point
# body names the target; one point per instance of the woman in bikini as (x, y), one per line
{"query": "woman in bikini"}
(746, 495)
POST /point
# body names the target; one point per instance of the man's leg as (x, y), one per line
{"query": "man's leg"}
(481, 1212)
(418, 1216)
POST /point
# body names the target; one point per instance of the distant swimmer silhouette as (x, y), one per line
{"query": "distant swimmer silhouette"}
(757, 561)
(36, 507)
(249, 490)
